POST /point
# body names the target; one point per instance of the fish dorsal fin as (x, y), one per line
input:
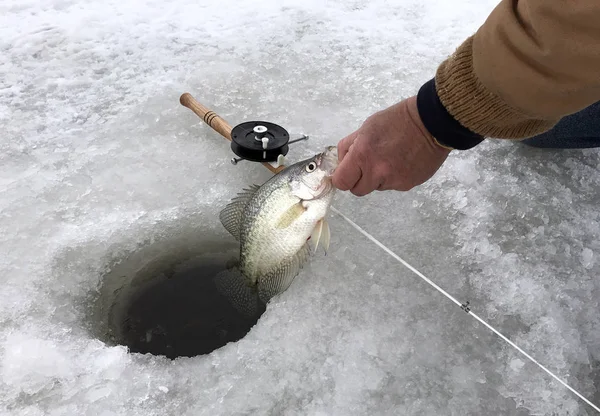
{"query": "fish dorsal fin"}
(277, 280)
(231, 215)
(290, 215)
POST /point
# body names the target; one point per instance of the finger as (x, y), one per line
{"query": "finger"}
(347, 174)
(344, 145)
(365, 185)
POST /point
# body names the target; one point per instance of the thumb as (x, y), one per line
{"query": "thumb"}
(347, 174)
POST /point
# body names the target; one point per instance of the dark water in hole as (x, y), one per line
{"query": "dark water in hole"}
(184, 314)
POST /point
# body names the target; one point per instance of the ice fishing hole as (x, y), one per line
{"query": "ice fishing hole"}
(162, 299)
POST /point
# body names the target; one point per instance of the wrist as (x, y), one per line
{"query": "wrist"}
(413, 112)
(446, 131)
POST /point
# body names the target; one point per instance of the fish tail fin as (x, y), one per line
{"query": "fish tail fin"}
(234, 286)
(281, 277)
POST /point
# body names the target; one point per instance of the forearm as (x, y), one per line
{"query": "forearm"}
(531, 63)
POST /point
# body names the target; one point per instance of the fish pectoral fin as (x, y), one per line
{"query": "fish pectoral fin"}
(231, 215)
(290, 215)
(315, 236)
(278, 279)
(321, 235)
(238, 291)
(326, 235)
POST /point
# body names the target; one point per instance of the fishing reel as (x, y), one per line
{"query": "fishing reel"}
(255, 141)
(261, 141)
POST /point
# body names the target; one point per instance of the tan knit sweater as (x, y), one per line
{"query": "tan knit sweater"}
(531, 63)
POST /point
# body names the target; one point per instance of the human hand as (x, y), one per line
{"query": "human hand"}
(392, 150)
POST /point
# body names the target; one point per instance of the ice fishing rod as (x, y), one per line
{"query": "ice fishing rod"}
(256, 141)
(248, 143)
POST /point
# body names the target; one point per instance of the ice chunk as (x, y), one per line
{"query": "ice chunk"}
(33, 363)
(517, 364)
(466, 171)
(587, 258)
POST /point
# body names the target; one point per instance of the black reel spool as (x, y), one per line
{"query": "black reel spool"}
(259, 141)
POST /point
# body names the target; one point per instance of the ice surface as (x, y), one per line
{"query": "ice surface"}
(98, 159)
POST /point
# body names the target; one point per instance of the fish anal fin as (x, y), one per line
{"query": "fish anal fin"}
(278, 279)
(231, 215)
(233, 285)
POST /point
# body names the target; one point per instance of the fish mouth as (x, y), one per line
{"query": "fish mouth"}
(329, 160)
(323, 189)
(328, 163)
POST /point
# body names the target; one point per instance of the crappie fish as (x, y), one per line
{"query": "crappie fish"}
(275, 223)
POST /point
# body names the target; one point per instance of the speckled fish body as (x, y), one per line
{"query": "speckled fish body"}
(275, 221)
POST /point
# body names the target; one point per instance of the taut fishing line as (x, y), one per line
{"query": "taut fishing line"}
(464, 306)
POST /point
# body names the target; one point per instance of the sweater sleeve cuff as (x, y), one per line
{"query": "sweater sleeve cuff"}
(475, 106)
(446, 131)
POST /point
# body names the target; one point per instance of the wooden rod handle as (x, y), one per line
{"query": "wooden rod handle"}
(216, 122)
(208, 116)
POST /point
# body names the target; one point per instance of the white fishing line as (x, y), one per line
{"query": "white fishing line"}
(464, 307)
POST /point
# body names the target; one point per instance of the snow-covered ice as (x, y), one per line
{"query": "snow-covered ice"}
(98, 160)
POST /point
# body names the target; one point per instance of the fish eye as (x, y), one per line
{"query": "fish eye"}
(311, 167)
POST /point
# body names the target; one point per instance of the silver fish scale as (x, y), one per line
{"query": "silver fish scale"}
(258, 219)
